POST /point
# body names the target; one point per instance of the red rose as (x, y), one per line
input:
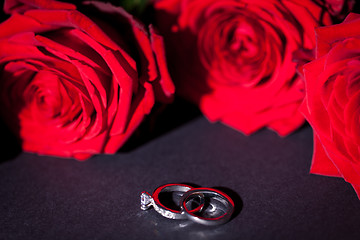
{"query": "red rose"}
(74, 85)
(237, 59)
(332, 102)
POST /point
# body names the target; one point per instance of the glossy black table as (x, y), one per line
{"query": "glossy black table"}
(267, 176)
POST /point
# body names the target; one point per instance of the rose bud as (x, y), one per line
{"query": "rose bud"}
(78, 81)
(238, 60)
(332, 102)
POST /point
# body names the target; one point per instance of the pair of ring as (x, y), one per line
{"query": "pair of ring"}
(207, 206)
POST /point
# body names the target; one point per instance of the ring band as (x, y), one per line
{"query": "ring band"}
(217, 201)
(225, 200)
(148, 200)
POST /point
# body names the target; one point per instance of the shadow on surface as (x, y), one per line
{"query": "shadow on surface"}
(10, 146)
(162, 119)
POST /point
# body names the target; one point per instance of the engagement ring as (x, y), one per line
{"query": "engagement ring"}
(207, 206)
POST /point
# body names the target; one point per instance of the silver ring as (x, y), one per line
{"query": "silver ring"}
(148, 200)
(224, 204)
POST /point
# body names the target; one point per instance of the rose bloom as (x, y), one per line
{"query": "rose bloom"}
(237, 59)
(332, 102)
(77, 82)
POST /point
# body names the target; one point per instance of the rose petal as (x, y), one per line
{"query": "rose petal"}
(13, 6)
(321, 163)
(167, 86)
(326, 36)
(120, 75)
(142, 105)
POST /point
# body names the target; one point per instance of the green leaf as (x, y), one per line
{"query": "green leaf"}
(136, 7)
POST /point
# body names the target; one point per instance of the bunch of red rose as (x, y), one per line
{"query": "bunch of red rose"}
(78, 80)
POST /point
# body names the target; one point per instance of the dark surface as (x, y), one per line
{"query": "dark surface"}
(276, 198)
